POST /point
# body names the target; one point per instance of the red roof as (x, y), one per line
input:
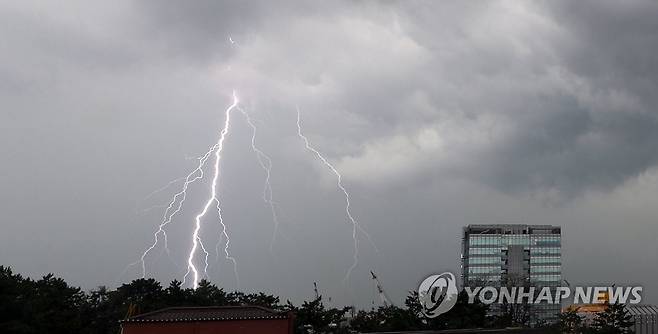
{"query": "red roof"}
(212, 313)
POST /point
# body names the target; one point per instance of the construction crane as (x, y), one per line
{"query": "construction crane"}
(315, 288)
(317, 293)
(380, 290)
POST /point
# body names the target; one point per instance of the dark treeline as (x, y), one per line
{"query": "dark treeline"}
(50, 305)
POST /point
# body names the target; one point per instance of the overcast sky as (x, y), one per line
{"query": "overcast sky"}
(438, 113)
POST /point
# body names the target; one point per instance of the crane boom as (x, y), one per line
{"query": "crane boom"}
(380, 290)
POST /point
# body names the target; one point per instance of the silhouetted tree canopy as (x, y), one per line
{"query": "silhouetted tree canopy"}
(614, 320)
(50, 305)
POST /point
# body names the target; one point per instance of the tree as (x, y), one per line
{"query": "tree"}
(207, 294)
(615, 319)
(50, 305)
(571, 322)
(143, 294)
(258, 299)
(314, 316)
(97, 312)
(516, 314)
(175, 294)
(467, 315)
(462, 315)
(12, 298)
(386, 318)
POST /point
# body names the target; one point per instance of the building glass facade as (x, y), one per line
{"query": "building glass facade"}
(514, 256)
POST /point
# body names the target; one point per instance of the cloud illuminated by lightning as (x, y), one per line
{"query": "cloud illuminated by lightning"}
(339, 181)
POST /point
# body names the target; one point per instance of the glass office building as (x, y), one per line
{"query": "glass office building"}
(514, 255)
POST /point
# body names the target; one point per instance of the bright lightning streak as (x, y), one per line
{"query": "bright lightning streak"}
(193, 176)
(205, 258)
(176, 204)
(227, 254)
(266, 163)
(355, 225)
(196, 240)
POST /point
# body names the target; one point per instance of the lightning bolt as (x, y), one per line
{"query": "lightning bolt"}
(178, 200)
(356, 227)
(266, 163)
(174, 208)
(175, 205)
(196, 240)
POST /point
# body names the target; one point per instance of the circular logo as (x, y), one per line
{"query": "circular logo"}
(437, 294)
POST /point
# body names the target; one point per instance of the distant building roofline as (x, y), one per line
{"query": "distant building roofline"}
(510, 225)
(512, 229)
(208, 313)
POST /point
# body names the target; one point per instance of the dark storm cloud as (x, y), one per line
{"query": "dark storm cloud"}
(590, 125)
(606, 135)
(570, 149)
(613, 42)
(576, 93)
(576, 81)
(438, 113)
(199, 29)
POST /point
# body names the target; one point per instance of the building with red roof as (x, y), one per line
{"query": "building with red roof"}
(207, 320)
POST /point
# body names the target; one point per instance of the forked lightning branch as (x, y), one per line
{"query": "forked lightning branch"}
(198, 251)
